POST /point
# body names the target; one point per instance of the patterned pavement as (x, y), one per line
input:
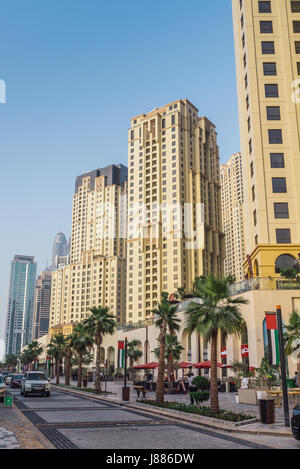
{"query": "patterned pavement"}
(8, 439)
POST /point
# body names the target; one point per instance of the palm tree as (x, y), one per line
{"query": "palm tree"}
(165, 320)
(99, 324)
(57, 349)
(218, 311)
(133, 352)
(68, 358)
(292, 336)
(81, 342)
(173, 351)
(31, 353)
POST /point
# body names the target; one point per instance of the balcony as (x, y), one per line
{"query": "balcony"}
(261, 283)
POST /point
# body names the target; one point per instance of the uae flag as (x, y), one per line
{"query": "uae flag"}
(121, 353)
(273, 343)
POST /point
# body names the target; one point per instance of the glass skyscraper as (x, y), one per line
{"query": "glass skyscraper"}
(20, 304)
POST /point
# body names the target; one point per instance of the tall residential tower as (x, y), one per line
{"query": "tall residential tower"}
(267, 43)
(233, 216)
(96, 275)
(174, 205)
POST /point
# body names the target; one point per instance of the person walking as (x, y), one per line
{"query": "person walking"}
(191, 387)
(296, 380)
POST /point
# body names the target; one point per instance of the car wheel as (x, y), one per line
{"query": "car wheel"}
(47, 394)
(21, 392)
(25, 393)
(296, 435)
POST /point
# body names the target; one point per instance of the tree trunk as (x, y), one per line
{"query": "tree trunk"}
(98, 382)
(160, 388)
(170, 370)
(57, 371)
(214, 398)
(68, 367)
(79, 380)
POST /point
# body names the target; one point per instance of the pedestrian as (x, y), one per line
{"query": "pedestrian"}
(191, 387)
(101, 376)
(296, 379)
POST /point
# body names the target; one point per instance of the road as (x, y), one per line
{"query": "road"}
(76, 422)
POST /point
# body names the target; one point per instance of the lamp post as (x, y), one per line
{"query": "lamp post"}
(283, 368)
(126, 390)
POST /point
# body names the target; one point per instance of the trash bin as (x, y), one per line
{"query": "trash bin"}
(125, 393)
(267, 411)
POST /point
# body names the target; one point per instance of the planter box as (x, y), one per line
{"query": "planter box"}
(248, 396)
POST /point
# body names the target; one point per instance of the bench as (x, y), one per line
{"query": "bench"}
(140, 389)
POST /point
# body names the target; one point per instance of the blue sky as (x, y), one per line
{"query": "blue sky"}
(76, 71)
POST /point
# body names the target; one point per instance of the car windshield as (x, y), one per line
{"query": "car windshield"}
(18, 376)
(1, 380)
(36, 376)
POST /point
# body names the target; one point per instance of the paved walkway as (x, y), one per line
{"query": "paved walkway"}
(227, 401)
(8, 439)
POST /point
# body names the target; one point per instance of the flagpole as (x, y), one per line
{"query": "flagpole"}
(283, 368)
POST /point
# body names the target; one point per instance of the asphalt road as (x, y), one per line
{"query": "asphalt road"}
(76, 422)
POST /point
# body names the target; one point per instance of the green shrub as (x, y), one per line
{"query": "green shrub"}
(200, 396)
(201, 410)
(201, 383)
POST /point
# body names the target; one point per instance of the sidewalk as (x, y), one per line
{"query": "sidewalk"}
(17, 432)
(227, 401)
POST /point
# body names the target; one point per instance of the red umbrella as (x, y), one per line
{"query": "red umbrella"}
(183, 365)
(139, 367)
(206, 365)
(151, 366)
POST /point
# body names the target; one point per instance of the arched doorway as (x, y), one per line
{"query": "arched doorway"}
(186, 341)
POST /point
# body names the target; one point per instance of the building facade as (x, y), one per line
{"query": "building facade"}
(232, 196)
(267, 43)
(174, 205)
(97, 271)
(42, 304)
(20, 304)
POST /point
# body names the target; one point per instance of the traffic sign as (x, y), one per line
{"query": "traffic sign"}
(8, 401)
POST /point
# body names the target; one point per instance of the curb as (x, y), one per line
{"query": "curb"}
(182, 415)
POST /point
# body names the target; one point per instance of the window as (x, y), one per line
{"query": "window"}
(298, 68)
(297, 47)
(132, 135)
(270, 68)
(275, 136)
(264, 7)
(295, 7)
(285, 261)
(254, 218)
(279, 185)
(283, 236)
(296, 26)
(277, 160)
(266, 27)
(273, 113)
(163, 123)
(250, 146)
(281, 210)
(267, 47)
(271, 91)
(173, 120)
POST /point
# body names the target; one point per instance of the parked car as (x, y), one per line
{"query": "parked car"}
(2, 388)
(16, 381)
(35, 382)
(296, 423)
(8, 378)
(5, 373)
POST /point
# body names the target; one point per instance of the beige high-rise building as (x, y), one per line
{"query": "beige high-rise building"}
(174, 205)
(267, 42)
(232, 196)
(42, 299)
(97, 271)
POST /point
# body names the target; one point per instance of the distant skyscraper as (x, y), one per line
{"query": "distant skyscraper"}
(42, 304)
(20, 303)
(60, 248)
(232, 197)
